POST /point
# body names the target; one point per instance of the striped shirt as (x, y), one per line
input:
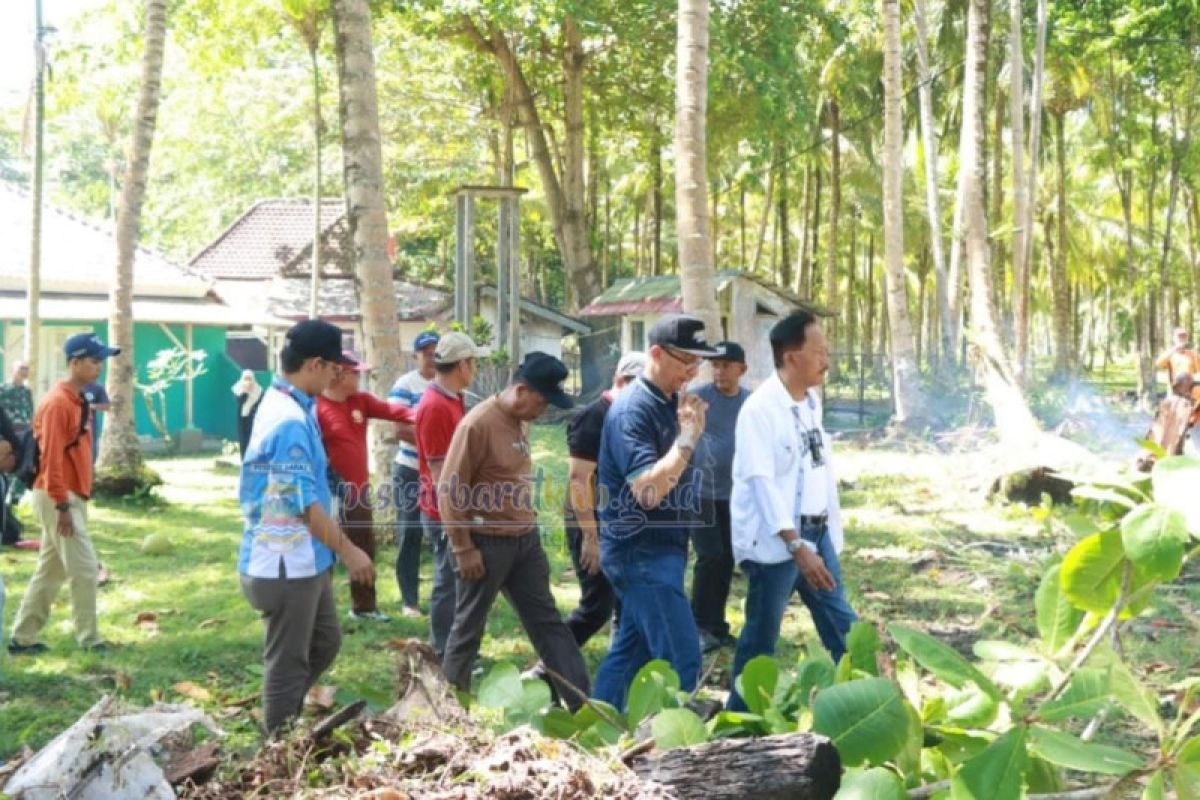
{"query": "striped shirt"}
(407, 392)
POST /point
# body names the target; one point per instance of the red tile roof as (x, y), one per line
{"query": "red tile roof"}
(274, 237)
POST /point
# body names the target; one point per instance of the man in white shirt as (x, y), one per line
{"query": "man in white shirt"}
(787, 527)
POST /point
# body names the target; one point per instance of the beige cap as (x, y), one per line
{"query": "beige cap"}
(454, 347)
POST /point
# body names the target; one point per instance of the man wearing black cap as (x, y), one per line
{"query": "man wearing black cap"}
(486, 501)
(60, 495)
(649, 437)
(289, 541)
(713, 464)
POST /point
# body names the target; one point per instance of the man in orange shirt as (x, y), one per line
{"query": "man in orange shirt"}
(1179, 359)
(60, 494)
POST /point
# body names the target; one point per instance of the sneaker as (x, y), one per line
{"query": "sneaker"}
(100, 647)
(411, 611)
(709, 643)
(369, 616)
(17, 649)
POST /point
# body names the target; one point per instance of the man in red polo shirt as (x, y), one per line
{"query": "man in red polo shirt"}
(438, 414)
(342, 413)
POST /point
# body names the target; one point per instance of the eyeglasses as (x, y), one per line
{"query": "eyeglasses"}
(693, 363)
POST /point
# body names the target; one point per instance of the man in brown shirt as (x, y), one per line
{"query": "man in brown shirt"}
(485, 497)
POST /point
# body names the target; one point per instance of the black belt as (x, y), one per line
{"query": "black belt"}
(818, 519)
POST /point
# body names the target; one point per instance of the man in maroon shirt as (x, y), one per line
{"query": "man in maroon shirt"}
(342, 413)
(438, 414)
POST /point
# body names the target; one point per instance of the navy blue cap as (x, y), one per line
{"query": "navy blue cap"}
(730, 351)
(316, 338)
(424, 339)
(88, 345)
(544, 374)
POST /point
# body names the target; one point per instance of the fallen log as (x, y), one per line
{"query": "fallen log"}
(792, 766)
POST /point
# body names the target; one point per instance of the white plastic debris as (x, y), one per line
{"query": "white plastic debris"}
(108, 754)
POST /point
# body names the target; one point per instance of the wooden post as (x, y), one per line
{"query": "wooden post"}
(190, 396)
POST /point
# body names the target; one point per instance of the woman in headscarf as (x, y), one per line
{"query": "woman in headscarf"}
(248, 394)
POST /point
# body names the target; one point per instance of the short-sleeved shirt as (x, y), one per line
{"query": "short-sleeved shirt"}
(344, 432)
(640, 428)
(438, 414)
(713, 459)
(18, 402)
(283, 473)
(486, 477)
(583, 436)
(407, 392)
(1177, 362)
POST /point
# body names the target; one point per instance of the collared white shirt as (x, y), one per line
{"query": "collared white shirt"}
(768, 451)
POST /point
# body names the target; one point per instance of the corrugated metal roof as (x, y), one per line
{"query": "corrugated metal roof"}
(660, 294)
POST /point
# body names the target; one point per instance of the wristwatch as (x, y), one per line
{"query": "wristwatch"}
(62, 506)
(795, 544)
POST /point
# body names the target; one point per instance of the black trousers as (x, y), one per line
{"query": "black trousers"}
(597, 601)
(713, 541)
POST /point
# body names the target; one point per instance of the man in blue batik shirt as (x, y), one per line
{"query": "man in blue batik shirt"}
(290, 539)
(649, 437)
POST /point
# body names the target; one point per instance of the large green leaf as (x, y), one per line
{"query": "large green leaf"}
(652, 689)
(862, 645)
(501, 687)
(1154, 536)
(1175, 480)
(757, 683)
(678, 727)
(1088, 691)
(865, 719)
(971, 708)
(1063, 749)
(1187, 770)
(994, 774)
(876, 783)
(1100, 495)
(557, 723)
(1057, 618)
(1091, 572)
(815, 672)
(599, 723)
(1155, 787)
(942, 660)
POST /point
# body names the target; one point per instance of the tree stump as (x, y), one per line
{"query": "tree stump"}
(792, 766)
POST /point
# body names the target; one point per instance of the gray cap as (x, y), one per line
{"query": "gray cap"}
(455, 346)
(631, 364)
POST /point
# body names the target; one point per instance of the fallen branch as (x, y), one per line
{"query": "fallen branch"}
(334, 721)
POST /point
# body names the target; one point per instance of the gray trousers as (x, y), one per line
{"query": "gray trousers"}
(445, 585)
(517, 567)
(302, 639)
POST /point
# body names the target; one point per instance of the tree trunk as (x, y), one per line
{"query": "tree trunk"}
(1058, 269)
(768, 201)
(691, 197)
(798, 272)
(1014, 420)
(362, 164)
(997, 200)
(1020, 262)
(869, 328)
(656, 203)
(119, 448)
(810, 266)
(781, 220)
(942, 287)
(835, 211)
(315, 278)
(792, 766)
(906, 376)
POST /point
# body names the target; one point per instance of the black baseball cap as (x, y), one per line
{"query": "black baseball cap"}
(682, 332)
(544, 374)
(316, 338)
(730, 351)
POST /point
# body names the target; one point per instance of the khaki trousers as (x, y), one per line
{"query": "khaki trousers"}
(62, 559)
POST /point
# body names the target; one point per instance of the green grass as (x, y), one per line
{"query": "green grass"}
(979, 565)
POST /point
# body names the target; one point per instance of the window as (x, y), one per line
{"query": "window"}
(637, 335)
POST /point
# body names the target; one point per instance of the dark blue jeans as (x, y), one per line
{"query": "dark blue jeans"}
(770, 587)
(656, 619)
(410, 535)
